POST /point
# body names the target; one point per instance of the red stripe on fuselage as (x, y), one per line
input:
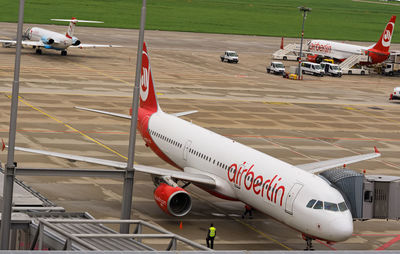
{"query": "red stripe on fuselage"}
(143, 125)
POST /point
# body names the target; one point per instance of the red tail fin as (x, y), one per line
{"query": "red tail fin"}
(384, 42)
(148, 99)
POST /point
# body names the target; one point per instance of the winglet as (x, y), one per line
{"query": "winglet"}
(3, 145)
(376, 150)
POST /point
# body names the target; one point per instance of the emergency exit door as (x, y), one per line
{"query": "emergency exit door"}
(291, 197)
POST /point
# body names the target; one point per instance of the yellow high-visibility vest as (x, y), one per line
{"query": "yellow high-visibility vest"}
(212, 231)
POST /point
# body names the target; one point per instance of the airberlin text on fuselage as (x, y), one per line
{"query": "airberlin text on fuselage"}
(257, 183)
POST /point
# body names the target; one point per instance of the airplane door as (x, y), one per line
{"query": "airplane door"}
(294, 191)
(186, 149)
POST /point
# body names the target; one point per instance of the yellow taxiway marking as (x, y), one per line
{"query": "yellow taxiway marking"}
(69, 126)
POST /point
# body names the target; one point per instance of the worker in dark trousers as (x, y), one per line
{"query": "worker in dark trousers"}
(248, 210)
(212, 232)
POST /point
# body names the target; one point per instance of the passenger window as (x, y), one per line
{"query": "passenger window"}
(331, 206)
(342, 207)
(311, 203)
(318, 205)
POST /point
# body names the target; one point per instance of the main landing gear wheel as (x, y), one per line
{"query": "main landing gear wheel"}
(38, 51)
(63, 53)
(309, 243)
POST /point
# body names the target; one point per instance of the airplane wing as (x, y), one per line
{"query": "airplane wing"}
(128, 116)
(191, 177)
(320, 166)
(25, 43)
(83, 45)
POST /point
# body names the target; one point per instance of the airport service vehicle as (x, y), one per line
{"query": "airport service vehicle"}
(276, 68)
(230, 57)
(396, 94)
(392, 69)
(291, 194)
(312, 68)
(39, 38)
(331, 69)
(376, 53)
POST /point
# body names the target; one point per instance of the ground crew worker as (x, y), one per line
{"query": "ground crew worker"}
(248, 210)
(212, 232)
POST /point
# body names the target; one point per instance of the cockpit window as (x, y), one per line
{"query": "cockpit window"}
(319, 205)
(327, 205)
(311, 203)
(331, 206)
(343, 206)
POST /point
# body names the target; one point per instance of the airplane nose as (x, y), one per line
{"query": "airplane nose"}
(342, 228)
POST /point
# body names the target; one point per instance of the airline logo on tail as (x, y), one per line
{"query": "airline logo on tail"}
(144, 80)
(383, 43)
(387, 34)
(148, 98)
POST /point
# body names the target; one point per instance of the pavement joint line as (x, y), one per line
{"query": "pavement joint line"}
(69, 126)
(243, 223)
(102, 73)
(262, 233)
(341, 147)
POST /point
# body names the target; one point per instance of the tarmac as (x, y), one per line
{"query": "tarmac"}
(295, 121)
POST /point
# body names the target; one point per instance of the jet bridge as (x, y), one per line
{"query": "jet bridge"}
(367, 196)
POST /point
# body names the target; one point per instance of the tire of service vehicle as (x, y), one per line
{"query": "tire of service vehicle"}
(222, 59)
(350, 72)
(284, 58)
(391, 73)
(302, 71)
(268, 70)
(362, 72)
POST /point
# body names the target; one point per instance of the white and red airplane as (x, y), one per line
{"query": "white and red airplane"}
(377, 53)
(39, 38)
(293, 195)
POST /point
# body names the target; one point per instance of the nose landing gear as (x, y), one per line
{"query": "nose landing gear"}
(308, 242)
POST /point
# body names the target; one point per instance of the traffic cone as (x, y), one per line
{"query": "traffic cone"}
(180, 225)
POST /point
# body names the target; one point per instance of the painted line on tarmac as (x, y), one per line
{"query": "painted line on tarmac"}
(242, 222)
(262, 233)
(389, 243)
(70, 127)
(327, 245)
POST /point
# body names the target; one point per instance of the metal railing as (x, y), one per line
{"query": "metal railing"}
(78, 239)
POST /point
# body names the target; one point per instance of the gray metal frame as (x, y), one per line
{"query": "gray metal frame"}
(70, 239)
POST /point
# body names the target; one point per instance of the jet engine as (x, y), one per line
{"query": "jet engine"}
(75, 41)
(48, 41)
(172, 200)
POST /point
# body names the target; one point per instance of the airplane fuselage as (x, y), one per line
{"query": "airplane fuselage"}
(51, 39)
(342, 51)
(257, 179)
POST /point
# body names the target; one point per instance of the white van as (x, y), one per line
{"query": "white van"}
(312, 68)
(331, 69)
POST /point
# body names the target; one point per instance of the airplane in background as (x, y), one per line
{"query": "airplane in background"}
(292, 194)
(40, 38)
(377, 53)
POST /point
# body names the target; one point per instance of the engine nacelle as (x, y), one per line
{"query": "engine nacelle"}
(75, 41)
(172, 200)
(47, 41)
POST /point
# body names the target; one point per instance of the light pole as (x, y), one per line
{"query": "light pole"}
(304, 10)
